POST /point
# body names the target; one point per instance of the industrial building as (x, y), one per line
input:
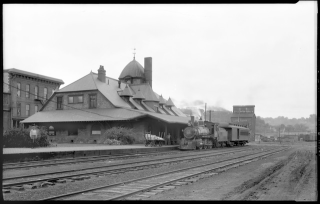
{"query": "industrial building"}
(244, 115)
(82, 111)
(24, 94)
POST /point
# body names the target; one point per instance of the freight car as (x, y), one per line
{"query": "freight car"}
(207, 135)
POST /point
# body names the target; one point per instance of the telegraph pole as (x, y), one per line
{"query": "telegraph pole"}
(205, 111)
(279, 136)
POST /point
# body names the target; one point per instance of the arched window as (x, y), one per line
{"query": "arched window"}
(51, 131)
(96, 129)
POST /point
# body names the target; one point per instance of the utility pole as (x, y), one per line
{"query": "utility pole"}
(205, 111)
(279, 136)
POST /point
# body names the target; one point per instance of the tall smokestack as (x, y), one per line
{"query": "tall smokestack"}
(192, 120)
(148, 69)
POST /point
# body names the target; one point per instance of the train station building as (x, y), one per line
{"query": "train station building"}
(82, 111)
(244, 115)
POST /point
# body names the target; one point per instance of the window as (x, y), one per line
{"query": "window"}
(36, 89)
(59, 102)
(18, 89)
(27, 90)
(27, 109)
(35, 109)
(93, 101)
(96, 129)
(45, 91)
(51, 131)
(75, 99)
(18, 109)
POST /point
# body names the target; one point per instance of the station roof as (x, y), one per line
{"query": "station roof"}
(84, 115)
(22, 72)
(88, 115)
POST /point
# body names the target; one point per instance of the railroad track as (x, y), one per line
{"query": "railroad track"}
(150, 185)
(115, 169)
(19, 165)
(43, 163)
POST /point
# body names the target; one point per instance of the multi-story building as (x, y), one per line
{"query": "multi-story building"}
(244, 115)
(24, 94)
(84, 110)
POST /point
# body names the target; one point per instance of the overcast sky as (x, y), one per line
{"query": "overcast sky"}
(222, 55)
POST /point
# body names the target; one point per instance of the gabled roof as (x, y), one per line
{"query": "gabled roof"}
(127, 92)
(139, 95)
(169, 102)
(146, 91)
(22, 72)
(161, 99)
(83, 84)
(91, 82)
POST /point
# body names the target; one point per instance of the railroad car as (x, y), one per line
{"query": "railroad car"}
(207, 135)
(310, 137)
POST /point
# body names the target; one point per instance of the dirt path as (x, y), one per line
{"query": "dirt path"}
(290, 175)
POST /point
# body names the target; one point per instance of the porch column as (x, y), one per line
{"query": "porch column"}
(178, 134)
(165, 130)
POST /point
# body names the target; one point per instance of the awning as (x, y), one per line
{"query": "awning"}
(87, 115)
(83, 115)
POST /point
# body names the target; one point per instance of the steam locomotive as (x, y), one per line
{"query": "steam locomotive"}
(206, 135)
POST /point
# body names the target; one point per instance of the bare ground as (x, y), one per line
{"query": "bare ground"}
(289, 175)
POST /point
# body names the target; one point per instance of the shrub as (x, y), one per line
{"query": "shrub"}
(19, 137)
(124, 135)
(112, 142)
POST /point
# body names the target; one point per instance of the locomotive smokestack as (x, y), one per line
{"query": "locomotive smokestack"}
(148, 70)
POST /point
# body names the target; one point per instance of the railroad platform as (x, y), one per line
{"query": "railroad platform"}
(76, 150)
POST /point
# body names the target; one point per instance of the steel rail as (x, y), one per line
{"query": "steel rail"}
(161, 174)
(157, 162)
(88, 159)
(77, 160)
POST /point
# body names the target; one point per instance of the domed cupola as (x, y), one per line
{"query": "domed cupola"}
(133, 73)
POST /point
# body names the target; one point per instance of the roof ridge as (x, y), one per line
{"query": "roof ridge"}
(94, 81)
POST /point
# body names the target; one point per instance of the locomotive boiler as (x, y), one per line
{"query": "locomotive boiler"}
(207, 135)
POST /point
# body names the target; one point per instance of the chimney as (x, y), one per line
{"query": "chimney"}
(148, 70)
(102, 74)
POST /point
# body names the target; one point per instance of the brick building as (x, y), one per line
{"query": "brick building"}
(24, 93)
(82, 111)
(244, 115)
